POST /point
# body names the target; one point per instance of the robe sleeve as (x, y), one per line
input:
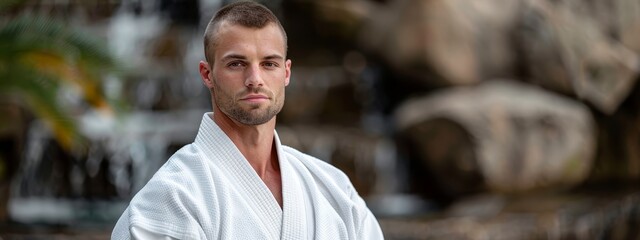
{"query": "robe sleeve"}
(121, 230)
(369, 228)
(125, 231)
(141, 233)
(145, 228)
(163, 209)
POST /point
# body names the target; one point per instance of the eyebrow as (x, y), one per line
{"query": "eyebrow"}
(274, 57)
(233, 56)
(241, 57)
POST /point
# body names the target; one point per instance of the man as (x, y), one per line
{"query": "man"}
(236, 181)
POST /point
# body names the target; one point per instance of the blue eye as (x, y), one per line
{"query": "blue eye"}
(270, 64)
(235, 64)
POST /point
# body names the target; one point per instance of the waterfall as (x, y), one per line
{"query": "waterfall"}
(160, 50)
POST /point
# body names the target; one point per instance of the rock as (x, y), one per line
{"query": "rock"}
(618, 158)
(627, 22)
(437, 42)
(567, 50)
(431, 40)
(619, 19)
(493, 23)
(505, 136)
(563, 216)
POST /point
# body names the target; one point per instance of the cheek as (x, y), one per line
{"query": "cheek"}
(280, 90)
(230, 79)
(219, 81)
(279, 78)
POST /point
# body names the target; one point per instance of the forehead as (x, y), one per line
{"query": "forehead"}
(246, 40)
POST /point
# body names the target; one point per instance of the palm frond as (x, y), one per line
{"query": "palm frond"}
(38, 54)
(5, 4)
(38, 92)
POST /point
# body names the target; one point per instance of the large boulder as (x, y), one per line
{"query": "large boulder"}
(568, 50)
(433, 41)
(504, 136)
(620, 19)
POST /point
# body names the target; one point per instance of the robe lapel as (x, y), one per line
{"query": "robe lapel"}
(220, 148)
(294, 225)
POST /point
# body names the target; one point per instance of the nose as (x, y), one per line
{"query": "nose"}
(253, 77)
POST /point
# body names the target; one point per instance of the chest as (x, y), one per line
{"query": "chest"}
(273, 181)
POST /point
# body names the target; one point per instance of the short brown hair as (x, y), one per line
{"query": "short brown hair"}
(247, 14)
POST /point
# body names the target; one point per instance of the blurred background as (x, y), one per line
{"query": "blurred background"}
(454, 119)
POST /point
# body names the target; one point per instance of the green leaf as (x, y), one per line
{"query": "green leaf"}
(34, 82)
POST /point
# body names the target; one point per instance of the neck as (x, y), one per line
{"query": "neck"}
(256, 143)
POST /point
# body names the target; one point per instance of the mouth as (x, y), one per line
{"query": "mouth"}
(255, 98)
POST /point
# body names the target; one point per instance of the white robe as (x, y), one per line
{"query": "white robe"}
(208, 190)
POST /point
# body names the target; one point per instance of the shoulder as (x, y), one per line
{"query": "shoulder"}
(177, 175)
(320, 170)
(182, 176)
(171, 200)
(184, 163)
(335, 186)
(315, 163)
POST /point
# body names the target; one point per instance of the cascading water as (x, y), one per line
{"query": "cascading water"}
(122, 152)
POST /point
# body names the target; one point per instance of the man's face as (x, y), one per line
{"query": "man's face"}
(249, 73)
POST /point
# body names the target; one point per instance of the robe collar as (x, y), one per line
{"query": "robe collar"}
(286, 223)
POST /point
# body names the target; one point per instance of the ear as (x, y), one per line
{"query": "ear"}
(205, 74)
(287, 68)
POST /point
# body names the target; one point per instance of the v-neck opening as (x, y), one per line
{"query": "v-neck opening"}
(230, 159)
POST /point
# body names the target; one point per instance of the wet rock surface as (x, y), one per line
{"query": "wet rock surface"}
(545, 216)
(567, 50)
(514, 137)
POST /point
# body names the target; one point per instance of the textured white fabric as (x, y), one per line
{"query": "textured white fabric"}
(208, 190)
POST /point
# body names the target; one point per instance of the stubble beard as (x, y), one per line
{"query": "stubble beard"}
(254, 115)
